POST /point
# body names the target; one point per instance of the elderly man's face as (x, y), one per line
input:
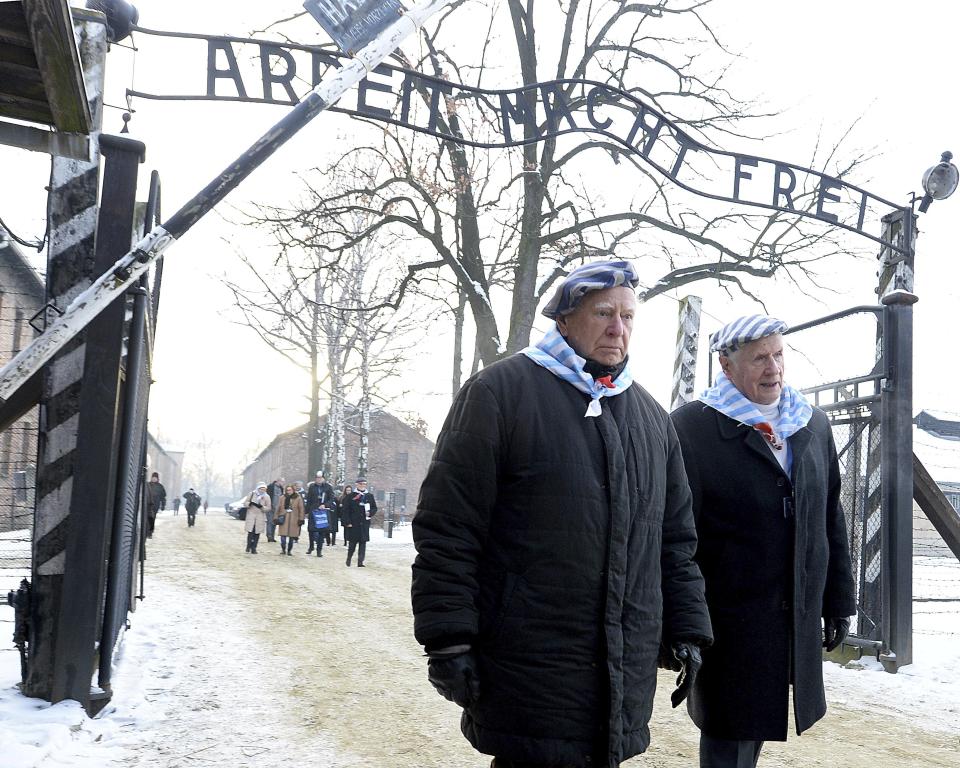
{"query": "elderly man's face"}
(600, 327)
(756, 369)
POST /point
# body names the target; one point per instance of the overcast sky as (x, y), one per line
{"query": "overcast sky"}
(824, 63)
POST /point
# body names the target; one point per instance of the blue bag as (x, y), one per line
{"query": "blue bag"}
(320, 518)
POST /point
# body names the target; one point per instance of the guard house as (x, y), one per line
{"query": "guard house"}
(21, 297)
(43, 102)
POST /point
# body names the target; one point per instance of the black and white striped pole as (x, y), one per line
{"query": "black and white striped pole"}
(129, 267)
(688, 344)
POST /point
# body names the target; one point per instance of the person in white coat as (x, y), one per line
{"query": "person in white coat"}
(258, 504)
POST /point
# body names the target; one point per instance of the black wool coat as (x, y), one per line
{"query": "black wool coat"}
(560, 547)
(774, 555)
(354, 515)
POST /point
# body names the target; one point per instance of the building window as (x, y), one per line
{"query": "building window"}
(400, 497)
(402, 459)
(20, 487)
(379, 495)
(6, 453)
(954, 499)
(17, 330)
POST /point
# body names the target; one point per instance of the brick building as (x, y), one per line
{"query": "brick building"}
(167, 464)
(398, 457)
(21, 297)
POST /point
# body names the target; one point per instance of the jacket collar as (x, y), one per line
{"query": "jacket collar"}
(732, 430)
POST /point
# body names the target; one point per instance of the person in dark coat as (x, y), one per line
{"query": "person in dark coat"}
(191, 502)
(156, 501)
(357, 509)
(333, 516)
(274, 491)
(319, 494)
(555, 543)
(318, 525)
(772, 546)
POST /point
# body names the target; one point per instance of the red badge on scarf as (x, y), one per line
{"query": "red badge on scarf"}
(768, 434)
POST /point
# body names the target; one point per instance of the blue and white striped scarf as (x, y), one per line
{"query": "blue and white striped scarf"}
(795, 411)
(553, 353)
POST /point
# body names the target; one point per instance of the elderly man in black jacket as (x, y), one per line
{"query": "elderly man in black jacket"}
(555, 540)
(772, 546)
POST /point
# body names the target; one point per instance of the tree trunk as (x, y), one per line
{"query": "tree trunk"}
(364, 395)
(315, 449)
(458, 318)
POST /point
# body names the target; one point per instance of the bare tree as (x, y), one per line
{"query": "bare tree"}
(201, 472)
(512, 222)
(312, 305)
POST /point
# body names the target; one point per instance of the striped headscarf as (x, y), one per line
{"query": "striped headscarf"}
(593, 276)
(745, 329)
(795, 410)
(553, 353)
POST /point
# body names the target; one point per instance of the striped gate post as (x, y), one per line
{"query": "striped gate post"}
(886, 589)
(70, 269)
(688, 342)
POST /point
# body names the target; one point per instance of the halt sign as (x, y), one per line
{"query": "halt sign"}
(352, 24)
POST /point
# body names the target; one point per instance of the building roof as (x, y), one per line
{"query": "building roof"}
(41, 78)
(940, 456)
(18, 272)
(938, 424)
(352, 416)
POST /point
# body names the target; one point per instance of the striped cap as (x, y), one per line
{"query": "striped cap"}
(593, 276)
(745, 329)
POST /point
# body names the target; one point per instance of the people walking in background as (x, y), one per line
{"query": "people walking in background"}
(191, 502)
(319, 494)
(289, 519)
(333, 509)
(772, 545)
(343, 498)
(357, 509)
(339, 494)
(298, 487)
(156, 500)
(274, 491)
(206, 503)
(318, 525)
(258, 504)
(176, 506)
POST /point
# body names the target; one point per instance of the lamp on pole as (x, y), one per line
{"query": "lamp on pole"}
(939, 181)
(896, 419)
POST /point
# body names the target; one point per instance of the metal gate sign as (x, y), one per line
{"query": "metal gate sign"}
(352, 24)
(269, 72)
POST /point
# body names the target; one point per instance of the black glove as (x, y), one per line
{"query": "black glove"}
(666, 659)
(835, 632)
(455, 676)
(688, 658)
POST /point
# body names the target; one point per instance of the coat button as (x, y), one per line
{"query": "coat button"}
(780, 482)
(784, 605)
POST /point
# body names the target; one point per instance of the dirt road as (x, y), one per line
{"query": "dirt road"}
(268, 660)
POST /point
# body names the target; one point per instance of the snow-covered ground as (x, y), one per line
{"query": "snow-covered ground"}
(186, 679)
